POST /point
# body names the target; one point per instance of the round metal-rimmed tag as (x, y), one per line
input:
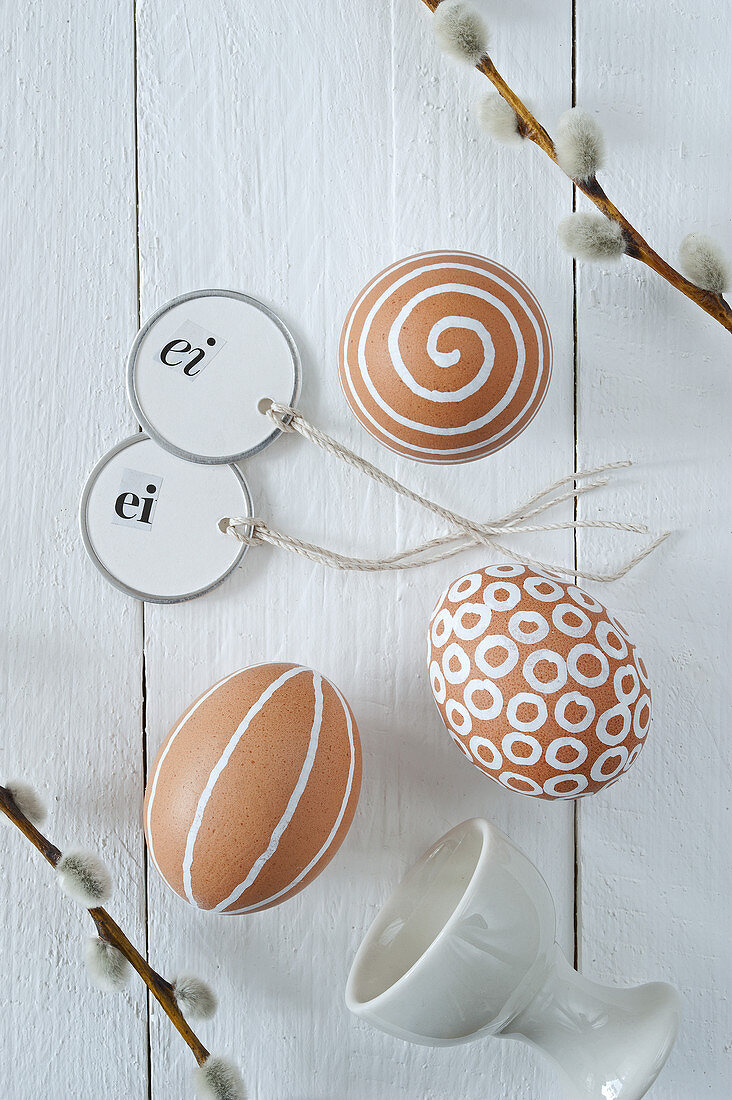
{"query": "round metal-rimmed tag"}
(200, 368)
(149, 521)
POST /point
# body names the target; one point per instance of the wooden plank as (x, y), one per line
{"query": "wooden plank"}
(71, 644)
(264, 158)
(454, 187)
(654, 384)
(292, 153)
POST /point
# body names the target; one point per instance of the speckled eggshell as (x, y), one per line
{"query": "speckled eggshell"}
(445, 357)
(537, 683)
(254, 789)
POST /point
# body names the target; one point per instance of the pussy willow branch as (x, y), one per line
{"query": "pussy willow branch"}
(110, 931)
(636, 246)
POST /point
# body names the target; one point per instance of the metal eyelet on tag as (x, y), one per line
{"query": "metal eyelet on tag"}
(200, 367)
(149, 521)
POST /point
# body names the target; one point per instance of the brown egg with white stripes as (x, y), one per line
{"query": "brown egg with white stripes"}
(254, 789)
(445, 357)
(537, 683)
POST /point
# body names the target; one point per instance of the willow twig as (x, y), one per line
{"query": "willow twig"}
(635, 245)
(109, 931)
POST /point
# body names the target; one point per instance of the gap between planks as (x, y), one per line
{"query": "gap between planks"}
(143, 662)
(577, 916)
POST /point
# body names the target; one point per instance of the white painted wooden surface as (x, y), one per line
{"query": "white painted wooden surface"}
(655, 858)
(291, 151)
(71, 660)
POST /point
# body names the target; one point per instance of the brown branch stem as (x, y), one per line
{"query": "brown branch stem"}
(636, 246)
(110, 932)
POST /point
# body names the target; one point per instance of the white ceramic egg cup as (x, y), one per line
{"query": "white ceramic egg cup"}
(465, 947)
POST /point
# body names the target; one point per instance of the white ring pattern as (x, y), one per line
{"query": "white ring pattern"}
(643, 704)
(478, 629)
(477, 744)
(574, 699)
(620, 710)
(493, 598)
(550, 786)
(538, 627)
(504, 571)
(605, 710)
(584, 600)
(459, 674)
(466, 586)
(524, 699)
(611, 641)
(539, 656)
(486, 687)
(538, 586)
(564, 611)
(598, 772)
(587, 650)
(439, 686)
(622, 675)
(496, 641)
(511, 739)
(452, 708)
(441, 627)
(559, 743)
(532, 787)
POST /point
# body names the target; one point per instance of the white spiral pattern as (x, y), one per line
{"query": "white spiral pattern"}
(541, 687)
(445, 356)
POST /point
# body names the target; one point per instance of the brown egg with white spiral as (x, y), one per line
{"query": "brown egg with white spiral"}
(445, 357)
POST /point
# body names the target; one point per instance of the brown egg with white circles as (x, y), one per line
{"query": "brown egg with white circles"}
(445, 357)
(254, 789)
(537, 683)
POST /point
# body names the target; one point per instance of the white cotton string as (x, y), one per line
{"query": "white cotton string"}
(253, 532)
(525, 510)
(603, 578)
(288, 420)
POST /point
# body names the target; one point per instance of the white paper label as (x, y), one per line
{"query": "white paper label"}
(135, 503)
(190, 350)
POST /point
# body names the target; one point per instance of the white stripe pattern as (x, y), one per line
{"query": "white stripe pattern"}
(336, 825)
(168, 747)
(213, 778)
(293, 803)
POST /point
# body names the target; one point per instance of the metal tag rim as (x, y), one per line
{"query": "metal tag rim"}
(137, 594)
(151, 430)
